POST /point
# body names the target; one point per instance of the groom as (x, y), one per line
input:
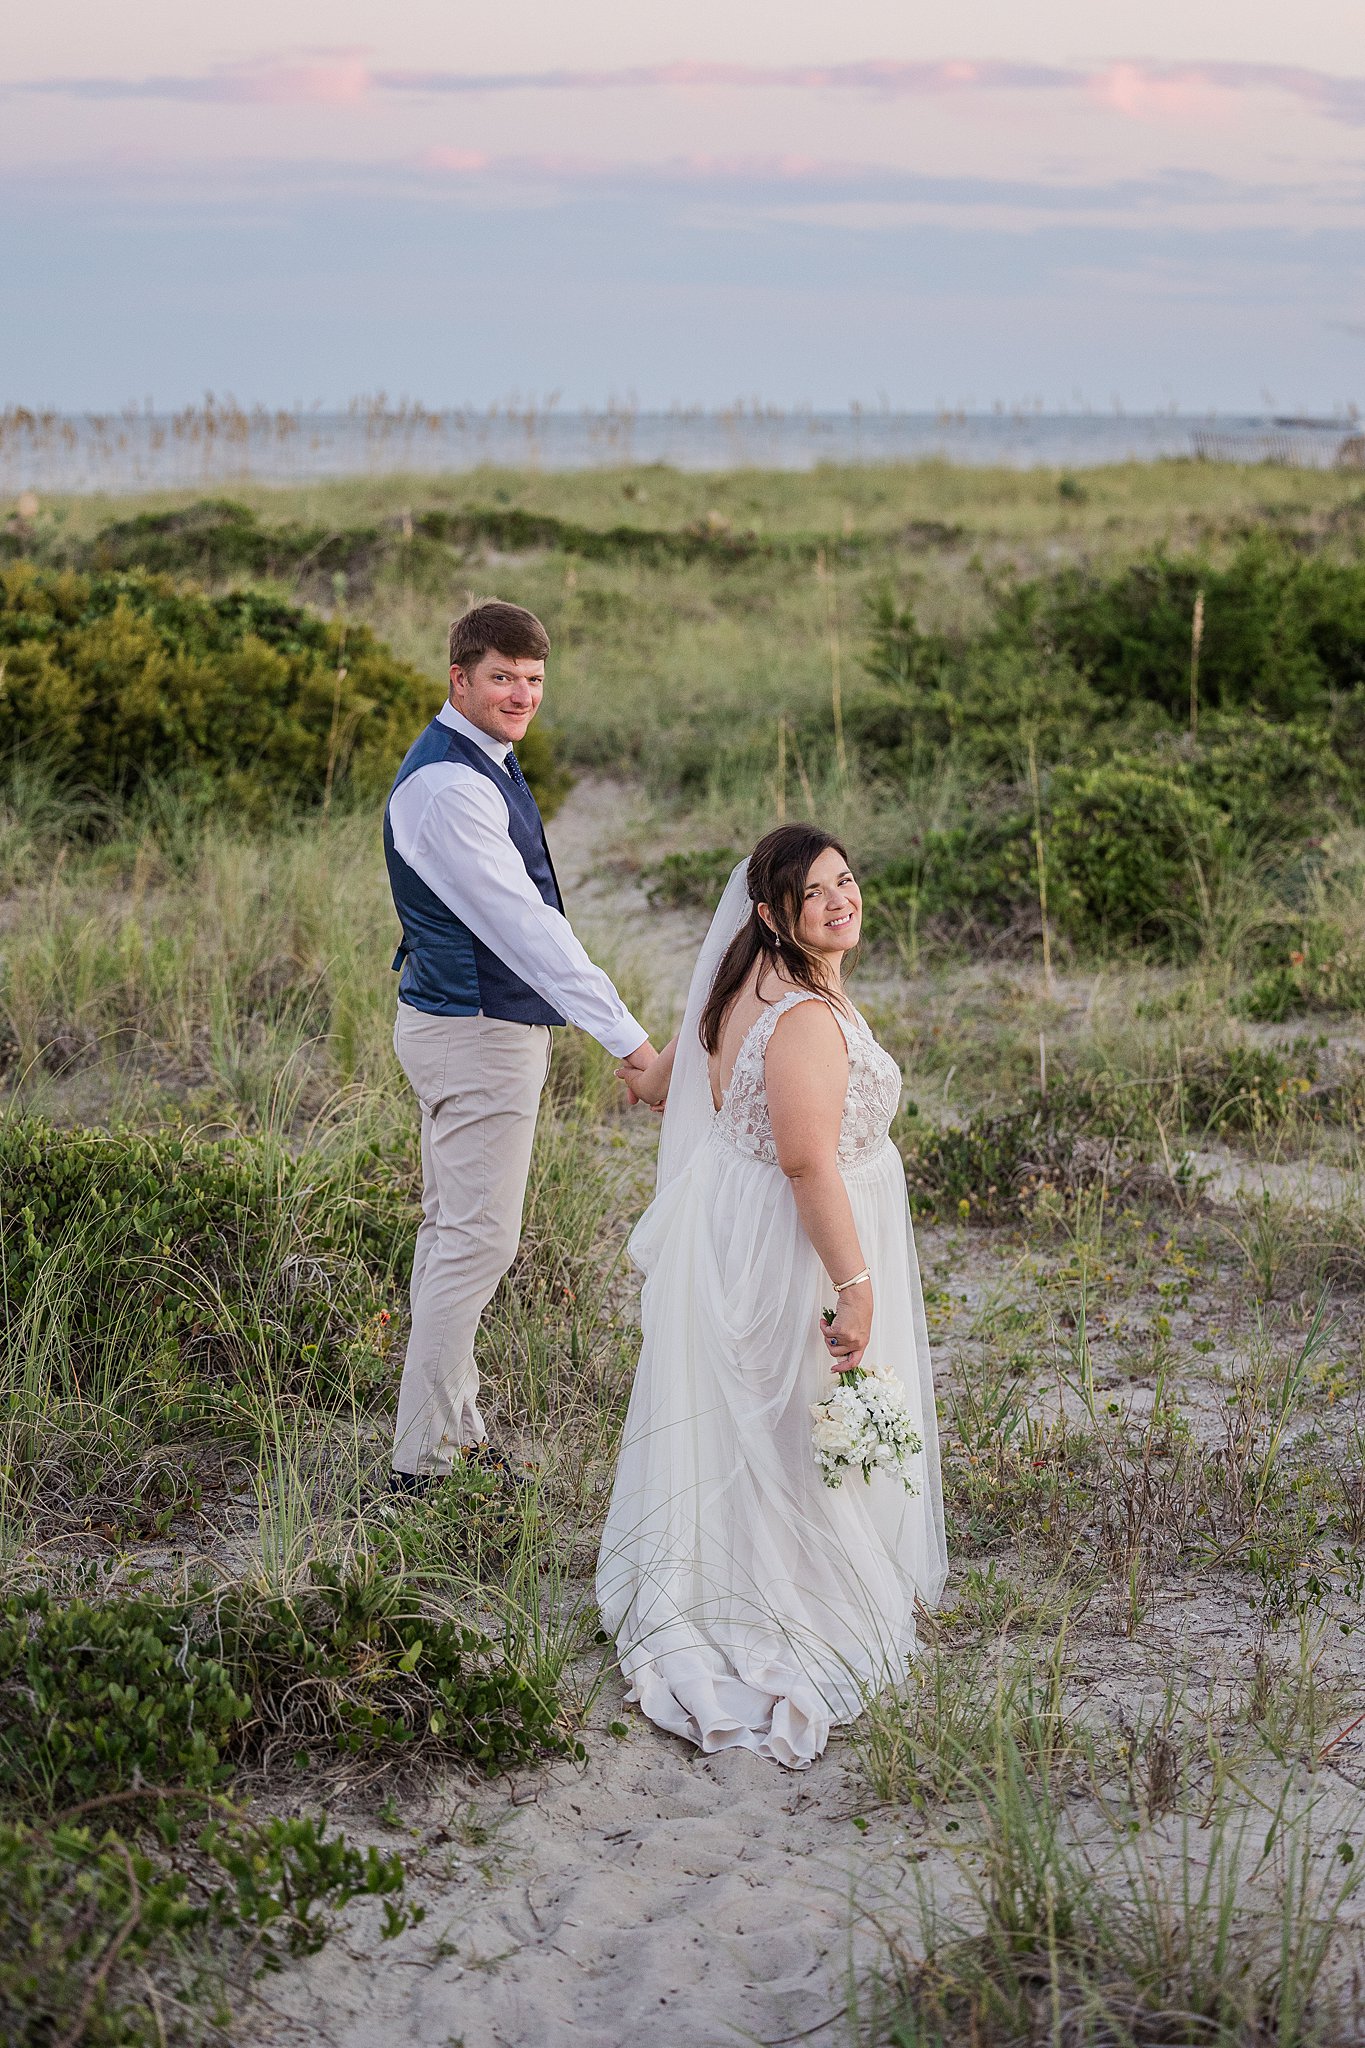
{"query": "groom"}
(488, 966)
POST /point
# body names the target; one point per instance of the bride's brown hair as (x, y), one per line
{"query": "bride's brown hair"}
(778, 867)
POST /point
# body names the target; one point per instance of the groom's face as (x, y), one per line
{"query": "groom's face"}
(500, 694)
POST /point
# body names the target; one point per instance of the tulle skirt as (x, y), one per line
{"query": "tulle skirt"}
(753, 1606)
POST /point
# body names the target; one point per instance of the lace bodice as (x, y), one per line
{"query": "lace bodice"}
(874, 1089)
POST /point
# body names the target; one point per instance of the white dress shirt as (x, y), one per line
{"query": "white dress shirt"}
(450, 826)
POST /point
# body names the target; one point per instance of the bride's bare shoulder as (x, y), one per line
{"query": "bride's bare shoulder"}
(807, 1030)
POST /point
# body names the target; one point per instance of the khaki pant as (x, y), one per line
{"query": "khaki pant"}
(478, 1080)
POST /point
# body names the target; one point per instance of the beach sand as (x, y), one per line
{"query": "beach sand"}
(650, 1894)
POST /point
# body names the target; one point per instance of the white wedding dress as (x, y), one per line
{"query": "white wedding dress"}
(753, 1606)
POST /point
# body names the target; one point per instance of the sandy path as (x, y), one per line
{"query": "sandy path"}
(1230, 1176)
(652, 947)
(653, 1894)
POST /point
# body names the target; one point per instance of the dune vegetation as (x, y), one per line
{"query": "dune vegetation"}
(1096, 744)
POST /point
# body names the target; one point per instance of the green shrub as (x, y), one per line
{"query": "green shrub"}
(691, 880)
(1128, 854)
(470, 1529)
(1273, 782)
(170, 1693)
(112, 678)
(951, 882)
(136, 1708)
(994, 1167)
(1089, 1130)
(513, 530)
(115, 679)
(1283, 630)
(1068, 654)
(712, 540)
(988, 696)
(899, 653)
(1248, 1087)
(1064, 654)
(73, 1903)
(1323, 973)
(216, 539)
(216, 1248)
(353, 1663)
(1092, 675)
(1089, 679)
(288, 1878)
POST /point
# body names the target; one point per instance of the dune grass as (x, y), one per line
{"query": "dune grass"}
(1147, 498)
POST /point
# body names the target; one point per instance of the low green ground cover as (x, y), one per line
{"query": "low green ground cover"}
(151, 1691)
(125, 1722)
(216, 539)
(106, 1938)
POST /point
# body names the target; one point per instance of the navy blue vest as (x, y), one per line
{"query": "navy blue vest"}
(445, 969)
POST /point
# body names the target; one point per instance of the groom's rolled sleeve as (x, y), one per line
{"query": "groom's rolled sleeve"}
(456, 839)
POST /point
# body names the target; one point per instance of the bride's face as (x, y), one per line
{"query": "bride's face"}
(831, 919)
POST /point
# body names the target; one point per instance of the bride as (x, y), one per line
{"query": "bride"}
(753, 1606)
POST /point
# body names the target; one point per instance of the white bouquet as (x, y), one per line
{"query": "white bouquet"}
(865, 1425)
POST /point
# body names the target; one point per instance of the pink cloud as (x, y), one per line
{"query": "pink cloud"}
(1142, 93)
(1340, 99)
(462, 160)
(1135, 87)
(329, 78)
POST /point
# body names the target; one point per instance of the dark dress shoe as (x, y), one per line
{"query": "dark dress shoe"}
(415, 1485)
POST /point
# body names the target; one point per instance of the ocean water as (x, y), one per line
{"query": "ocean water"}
(214, 445)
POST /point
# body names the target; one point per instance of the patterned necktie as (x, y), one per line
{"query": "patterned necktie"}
(515, 775)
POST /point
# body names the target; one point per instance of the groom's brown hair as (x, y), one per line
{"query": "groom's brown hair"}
(497, 628)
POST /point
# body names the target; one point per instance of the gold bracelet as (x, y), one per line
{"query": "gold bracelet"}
(856, 1281)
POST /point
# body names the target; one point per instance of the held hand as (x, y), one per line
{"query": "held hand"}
(646, 1084)
(647, 1076)
(846, 1337)
(632, 1071)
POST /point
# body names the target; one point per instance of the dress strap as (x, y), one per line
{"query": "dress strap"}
(768, 1021)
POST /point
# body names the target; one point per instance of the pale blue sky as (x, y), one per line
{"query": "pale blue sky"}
(1158, 203)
